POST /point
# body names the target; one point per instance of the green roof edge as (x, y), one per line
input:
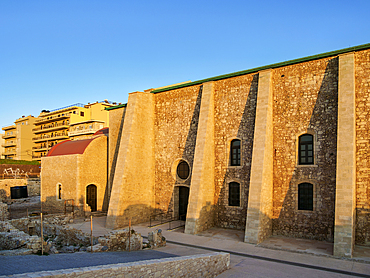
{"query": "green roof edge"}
(272, 66)
(116, 107)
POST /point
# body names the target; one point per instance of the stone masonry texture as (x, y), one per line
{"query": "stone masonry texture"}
(362, 88)
(305, 101)
(159, 129)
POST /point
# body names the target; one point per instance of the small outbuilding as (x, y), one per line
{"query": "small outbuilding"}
(74, 174)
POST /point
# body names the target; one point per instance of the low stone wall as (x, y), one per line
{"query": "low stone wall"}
(118, 240)
(55, 230)
(4, 213)
(205, 265)
(12, 238)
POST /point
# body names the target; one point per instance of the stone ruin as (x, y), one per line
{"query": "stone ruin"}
(23, 236)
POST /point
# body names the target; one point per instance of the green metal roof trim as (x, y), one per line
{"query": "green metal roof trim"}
(115, 107)
(272, 66)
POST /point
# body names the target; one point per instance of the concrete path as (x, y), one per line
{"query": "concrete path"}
(246, 260)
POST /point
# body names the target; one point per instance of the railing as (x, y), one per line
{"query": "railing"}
(65, 107)
(83, 131)
(51, 118)
(177, 223)
(51, 126)
(6, 127)
(40, 147)
(164, 217)
(38, 156)
(9, 135)
(8, 144)
(48, 136)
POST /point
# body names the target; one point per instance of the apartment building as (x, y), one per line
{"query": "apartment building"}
(74, 122)
(2, 142)
(18, 139)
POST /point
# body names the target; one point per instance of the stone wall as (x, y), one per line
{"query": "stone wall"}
(4, 213)
(12, 238)
(6, 184)
(207, 265)
(362, 88)
(305, 101)
(116, 121)
(118, 240)
(132, 195)
(235, 111)
(33, 187)
(175, 129)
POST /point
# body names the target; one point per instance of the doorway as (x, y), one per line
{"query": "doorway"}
(183, 201)
(91, 193)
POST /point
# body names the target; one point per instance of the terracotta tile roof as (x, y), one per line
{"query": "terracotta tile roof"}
(104, 131)
(70, 147)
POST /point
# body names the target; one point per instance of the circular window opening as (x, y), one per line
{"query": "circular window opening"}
(183, 170)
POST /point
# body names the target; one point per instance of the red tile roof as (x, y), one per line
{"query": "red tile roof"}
(104, 131)
(69, 147)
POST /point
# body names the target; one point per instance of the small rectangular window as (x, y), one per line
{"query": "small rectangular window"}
(306, 149)
(234, 194)
(305, 196)
(235, 152)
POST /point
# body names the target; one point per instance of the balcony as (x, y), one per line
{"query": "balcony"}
(37, 156)
(83, 131)
(8, 136)
(50, 119)
(9, 144)
(41, 148)
(9, 152)
(51, 127)
(9, 156)
(47, 137)
(9, 127)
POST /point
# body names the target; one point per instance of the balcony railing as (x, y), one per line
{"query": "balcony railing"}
(8, 145)
(7, 127)
(48, 137)
(52, 118)
(83, 131)
(54, 126)
(6, 136)
(38, 157)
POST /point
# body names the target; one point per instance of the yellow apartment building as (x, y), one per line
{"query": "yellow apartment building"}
(74, 122)
(18, 139)
(2, 141)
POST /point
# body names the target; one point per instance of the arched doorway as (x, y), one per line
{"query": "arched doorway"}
(91, 193)
(183, 201)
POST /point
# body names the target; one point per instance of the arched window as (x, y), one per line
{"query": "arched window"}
(235, 152)
(183, 170)
(234, 194)
(305, 196)
(306, 154)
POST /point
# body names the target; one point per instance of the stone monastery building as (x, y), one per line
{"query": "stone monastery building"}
(277, 150)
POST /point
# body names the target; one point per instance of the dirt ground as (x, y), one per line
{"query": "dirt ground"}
(18, 208)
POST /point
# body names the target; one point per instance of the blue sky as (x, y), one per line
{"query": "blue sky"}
(56, 53)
